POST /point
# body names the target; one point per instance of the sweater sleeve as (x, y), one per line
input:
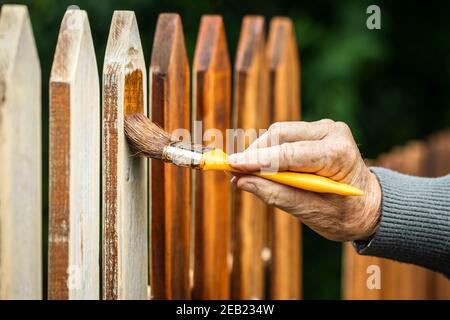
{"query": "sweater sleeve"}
(415, 221)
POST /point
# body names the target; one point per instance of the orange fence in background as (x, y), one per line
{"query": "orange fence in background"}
(430, 158)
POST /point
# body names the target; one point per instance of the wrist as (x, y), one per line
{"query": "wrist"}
(372, 207)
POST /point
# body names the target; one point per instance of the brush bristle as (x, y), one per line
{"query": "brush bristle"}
(147, 138)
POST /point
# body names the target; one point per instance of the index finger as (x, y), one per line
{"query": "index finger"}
(292, 131)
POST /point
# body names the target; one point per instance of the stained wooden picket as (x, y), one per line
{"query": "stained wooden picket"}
(212, 106)
(250, 111)
(284, 88)
(170, 187)
(125, 178)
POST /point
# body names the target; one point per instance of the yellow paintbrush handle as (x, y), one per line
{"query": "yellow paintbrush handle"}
(217, 160)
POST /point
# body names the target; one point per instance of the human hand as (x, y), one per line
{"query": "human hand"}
(326, 148)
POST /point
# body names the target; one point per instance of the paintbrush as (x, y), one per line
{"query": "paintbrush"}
(150, 140)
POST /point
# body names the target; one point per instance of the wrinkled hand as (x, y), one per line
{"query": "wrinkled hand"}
(326, 148)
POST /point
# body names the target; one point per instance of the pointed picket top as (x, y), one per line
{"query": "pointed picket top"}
(74, 156)
(74, 43)
(169, 50)
(251, 42)
(284, 64)
(20, 149)
(211, 51)
(281, 37)
(125, 192)
(170, 108)
(212, 106)
(251, 72)
(17, 35)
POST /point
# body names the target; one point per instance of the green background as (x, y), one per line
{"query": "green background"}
(389, 85)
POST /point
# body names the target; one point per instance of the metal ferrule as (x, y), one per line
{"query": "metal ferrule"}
(184, 154)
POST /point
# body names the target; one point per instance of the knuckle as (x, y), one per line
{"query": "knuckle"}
(274, 133)
(275, 126)
(327, 121)
(272, 197)
(342, 127)
(287, 152)
(339, 153)
(343, 151)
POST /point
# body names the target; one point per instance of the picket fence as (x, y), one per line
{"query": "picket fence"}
(120, 226)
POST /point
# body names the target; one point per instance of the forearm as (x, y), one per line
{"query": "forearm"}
(415, 221)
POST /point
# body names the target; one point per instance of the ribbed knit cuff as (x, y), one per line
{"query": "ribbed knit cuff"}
(415, 221)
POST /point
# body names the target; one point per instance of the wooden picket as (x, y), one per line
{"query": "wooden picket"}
(74, 213)
(170, 185)
(250, 111)
(284, 91)
(20, 150)
(211, 105)
(125, 178)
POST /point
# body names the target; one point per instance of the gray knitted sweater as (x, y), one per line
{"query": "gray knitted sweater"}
(415, 221)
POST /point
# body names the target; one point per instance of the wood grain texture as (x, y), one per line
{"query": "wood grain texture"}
(125, 177)
(74, 211)
(284, 88)
(250, 111)
(20, 164)
(170, 212)
(211, 105)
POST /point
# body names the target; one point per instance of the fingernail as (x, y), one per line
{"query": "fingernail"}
(248, 186)
(233, 180)
(236, 158)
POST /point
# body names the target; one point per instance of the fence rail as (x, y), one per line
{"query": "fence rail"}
(123, 227)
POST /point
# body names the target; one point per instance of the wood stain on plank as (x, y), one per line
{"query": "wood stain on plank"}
(110, 192)
(133, 93)
(59, 214)
(125, 189)
(170, 185)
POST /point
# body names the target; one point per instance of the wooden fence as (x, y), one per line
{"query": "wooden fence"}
(430, 158)
(123, 227)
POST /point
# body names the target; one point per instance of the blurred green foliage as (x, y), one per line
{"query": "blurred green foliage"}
(390, 85)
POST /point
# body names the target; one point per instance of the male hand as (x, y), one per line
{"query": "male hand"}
(326, 148)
